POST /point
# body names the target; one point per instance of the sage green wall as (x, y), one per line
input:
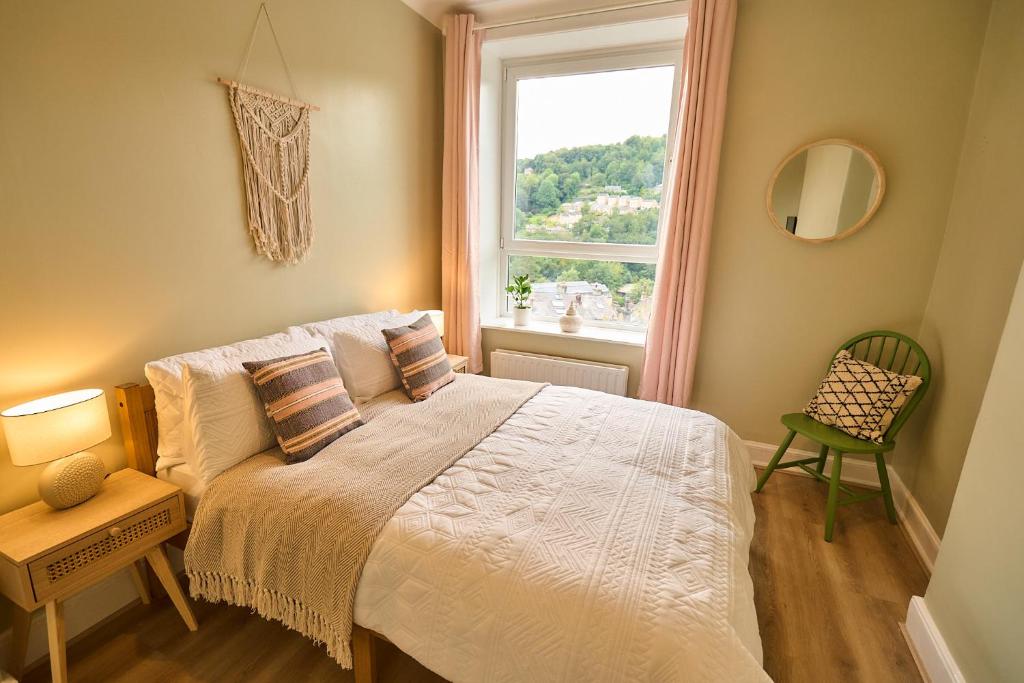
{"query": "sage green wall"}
(123, 231)
(981, 254)
(896, 77)
(975, 594)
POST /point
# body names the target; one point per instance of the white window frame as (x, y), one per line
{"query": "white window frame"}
(597, 61)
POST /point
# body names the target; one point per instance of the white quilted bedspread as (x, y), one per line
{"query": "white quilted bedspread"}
(589, 538)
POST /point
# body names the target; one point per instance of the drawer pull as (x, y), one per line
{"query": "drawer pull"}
(117, 538)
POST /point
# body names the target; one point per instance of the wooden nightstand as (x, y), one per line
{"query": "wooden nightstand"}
(458, 363)
(47, 555)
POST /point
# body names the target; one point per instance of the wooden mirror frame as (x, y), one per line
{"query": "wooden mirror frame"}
(875, 164)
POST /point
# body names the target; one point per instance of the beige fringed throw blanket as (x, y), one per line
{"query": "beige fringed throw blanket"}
(290, 541)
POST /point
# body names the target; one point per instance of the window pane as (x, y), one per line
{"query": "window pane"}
(609, 291)
(590, 155)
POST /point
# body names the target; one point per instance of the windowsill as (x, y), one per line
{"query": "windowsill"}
(610, 335)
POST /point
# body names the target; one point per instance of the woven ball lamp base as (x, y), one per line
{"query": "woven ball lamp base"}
(72, 480)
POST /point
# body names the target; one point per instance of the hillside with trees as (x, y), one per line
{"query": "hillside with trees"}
(597, 193)
(557, 193)
(547, 180)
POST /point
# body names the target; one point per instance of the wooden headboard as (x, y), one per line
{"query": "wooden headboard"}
(137, 407)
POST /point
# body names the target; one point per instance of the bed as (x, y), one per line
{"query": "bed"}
(585, 537)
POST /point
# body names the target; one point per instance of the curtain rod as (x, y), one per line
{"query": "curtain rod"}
(578, 13)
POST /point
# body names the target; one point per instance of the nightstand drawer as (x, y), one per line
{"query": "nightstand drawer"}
(97, 553)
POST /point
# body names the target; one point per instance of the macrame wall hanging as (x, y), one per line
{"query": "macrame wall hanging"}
(273, 133)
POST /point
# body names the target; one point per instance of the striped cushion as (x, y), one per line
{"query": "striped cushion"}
(421, 360)
(305, 400)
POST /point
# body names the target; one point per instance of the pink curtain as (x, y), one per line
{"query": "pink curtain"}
(460, 209)
(671, 350)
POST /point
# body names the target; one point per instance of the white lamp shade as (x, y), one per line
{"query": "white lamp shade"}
(49, 428)
(437, 317)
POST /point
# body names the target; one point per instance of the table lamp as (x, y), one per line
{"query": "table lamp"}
(57, 429)
(437, 317)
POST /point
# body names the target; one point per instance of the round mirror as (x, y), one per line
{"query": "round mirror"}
(825, 190)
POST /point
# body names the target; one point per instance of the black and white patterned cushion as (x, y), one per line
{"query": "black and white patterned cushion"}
(859, 398)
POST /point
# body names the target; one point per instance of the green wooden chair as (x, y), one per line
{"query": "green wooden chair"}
(890, 351)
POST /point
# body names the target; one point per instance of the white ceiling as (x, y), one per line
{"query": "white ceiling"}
(497, 11)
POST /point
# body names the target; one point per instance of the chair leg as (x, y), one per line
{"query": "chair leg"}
(822, 457)
(775, 460)
(833, 495)
(883, 479)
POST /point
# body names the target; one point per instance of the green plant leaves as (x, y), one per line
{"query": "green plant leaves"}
(520, 289)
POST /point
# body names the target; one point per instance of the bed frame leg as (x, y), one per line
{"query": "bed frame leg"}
(364, 655)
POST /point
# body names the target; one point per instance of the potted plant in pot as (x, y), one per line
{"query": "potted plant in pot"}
(520, 289)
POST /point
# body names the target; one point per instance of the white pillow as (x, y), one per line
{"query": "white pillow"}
(327, 328)
(165, 376)
(224, 419)
(363, 358)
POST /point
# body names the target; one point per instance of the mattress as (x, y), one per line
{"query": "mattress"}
(191, 485)
(548, 552)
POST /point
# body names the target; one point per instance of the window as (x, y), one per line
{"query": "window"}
(584, 153)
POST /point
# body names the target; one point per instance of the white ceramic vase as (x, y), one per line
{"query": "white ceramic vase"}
(521, 316)
(572, 321)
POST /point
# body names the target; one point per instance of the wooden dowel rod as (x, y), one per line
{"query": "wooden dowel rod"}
(264, 93)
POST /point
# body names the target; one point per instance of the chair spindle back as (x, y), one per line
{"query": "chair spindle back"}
(897, 353)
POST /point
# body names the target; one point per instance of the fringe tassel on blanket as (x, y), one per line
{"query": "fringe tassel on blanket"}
(274, 136)
(272, 605)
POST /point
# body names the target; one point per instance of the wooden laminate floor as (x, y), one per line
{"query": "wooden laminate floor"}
(831, 611)
(827, 612)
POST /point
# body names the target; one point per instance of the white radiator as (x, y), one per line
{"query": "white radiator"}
(568, 372)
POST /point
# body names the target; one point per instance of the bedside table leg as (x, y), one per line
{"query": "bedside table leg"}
(55, 636)
(141, 581)
(162, 567)
(20, 623)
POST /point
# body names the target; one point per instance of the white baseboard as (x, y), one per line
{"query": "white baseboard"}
(919, 530)
(929, 646)
(84, 610)
(856, 472)
(917, 527)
